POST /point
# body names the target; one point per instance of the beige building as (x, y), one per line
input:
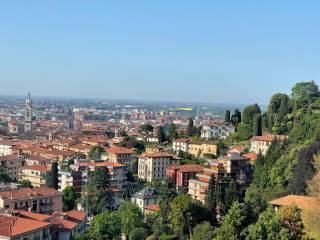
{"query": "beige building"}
(38, 160)
(200, 148)
(121, 155)
(11, 164)
(37, 200)
(153, 166)
(261, 144)
(37, 174)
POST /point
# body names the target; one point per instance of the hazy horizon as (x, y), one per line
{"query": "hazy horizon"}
(212, 52)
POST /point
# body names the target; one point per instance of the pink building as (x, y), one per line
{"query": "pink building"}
(183, 173)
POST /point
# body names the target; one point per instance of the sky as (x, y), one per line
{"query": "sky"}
(177, 50)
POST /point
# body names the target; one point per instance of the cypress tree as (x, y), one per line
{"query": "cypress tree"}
(257, 125)
(53, 179)
(190, 129)
(231, 194)
(161, 135)
(227, 117)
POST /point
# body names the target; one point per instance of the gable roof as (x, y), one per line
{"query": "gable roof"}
(302, 202)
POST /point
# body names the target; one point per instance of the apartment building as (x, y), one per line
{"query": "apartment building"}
(153, 166)
(38, 175)
(38, 160)
(74, 179)
(6, 148)
(116, 175)
(261, 144)
(37, 200)
(11, 164)
(223, 170)
(121, 155)
(180, 144)
(217, 131)
(201, 148)
(145, 197)
(181, 174)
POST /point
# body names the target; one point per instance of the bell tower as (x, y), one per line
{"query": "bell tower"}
(28, 114)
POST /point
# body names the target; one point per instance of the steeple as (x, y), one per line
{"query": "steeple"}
(28, 114)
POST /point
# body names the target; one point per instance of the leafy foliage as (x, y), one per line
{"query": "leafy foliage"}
(69, 198)
(96, 152)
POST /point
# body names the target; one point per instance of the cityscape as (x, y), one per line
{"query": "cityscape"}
(159, 121)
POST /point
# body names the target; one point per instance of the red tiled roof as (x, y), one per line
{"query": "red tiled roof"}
(14, 226)
(76, 215)
(302, 202)
(269, 138)
(38, 158)
(157, 155)
(40, 168)
(187, 168)
(120, 150)
(153, 207)
(24, 193)
(101, 164)
(251, 155)
(34, 216)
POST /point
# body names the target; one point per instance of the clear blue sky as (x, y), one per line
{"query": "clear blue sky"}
(213, 51)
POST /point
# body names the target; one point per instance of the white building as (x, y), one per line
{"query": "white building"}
(180, 144)
(217, 131)
(152, 166)
(261, 144)
(147, 196)
(6, 148)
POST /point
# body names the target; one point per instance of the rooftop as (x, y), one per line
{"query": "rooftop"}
(302, 202)
(24, 193)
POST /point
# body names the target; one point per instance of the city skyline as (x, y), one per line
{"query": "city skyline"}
(212, 53)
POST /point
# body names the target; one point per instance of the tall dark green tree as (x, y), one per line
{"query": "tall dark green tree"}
(190, 128)
(249, 112)
(210, 200)
(53, 177)
(172, 131)
(236, 118)
(257, 125)
(98, 197)
(304, 93)
(161, 135)
(69, 198)
(227, 117)
(96, 152)
(231, 194)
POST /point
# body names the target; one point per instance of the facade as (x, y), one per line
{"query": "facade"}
(6, 148)
(223, 170)
(38, 175)
(28, 114)
(37, 200)
(201, 148)
(183, 173)
(217, 131)
(11, 164)
(153, 166)
(15, 127)
(38, 160)
(261, 144)
(180, 144)
(70, 178)
(121, 155)
(146, 197)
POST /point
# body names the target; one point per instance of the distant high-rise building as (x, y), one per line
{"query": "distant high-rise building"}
(70, 118)
(28, 114)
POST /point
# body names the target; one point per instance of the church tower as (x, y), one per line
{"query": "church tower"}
(28, 114)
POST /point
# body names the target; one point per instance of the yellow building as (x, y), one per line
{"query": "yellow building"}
(200, 148)
(36, 174)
